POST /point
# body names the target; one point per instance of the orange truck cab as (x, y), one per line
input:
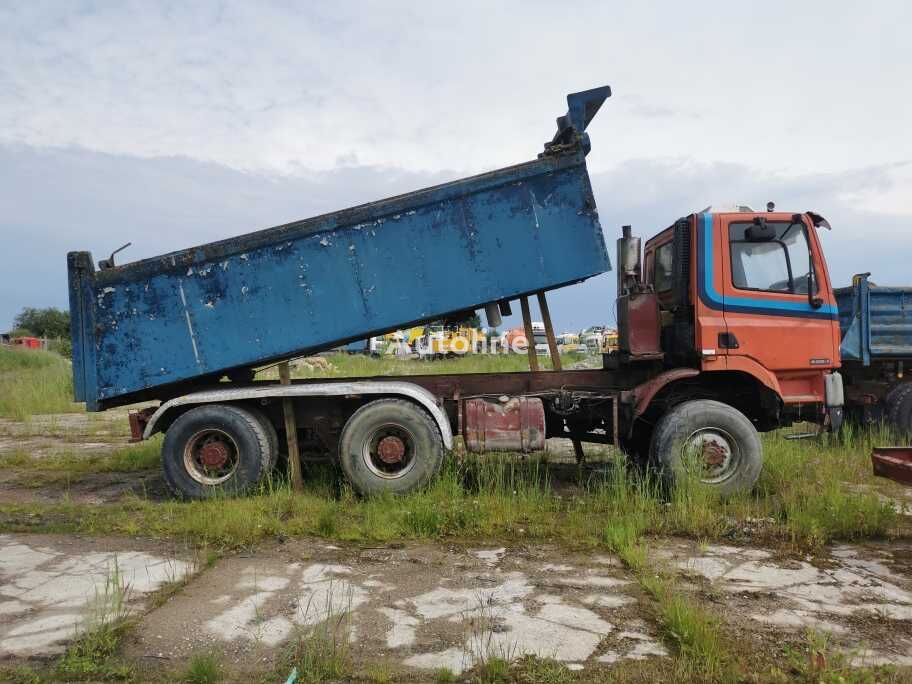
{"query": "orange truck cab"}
(746, 295)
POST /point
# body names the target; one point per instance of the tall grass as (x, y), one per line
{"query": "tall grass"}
(808, 496)
(94, 655)
(810, 492)
(34, 382)
(143, 456)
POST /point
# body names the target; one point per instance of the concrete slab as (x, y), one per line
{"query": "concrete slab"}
(423, 607)
(860, 595)
(51, 588)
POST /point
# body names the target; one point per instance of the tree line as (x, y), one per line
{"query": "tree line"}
(50, 323)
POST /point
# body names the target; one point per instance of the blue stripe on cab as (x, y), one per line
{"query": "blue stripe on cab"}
(757, 305)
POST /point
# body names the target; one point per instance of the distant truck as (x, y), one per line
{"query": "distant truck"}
(876, 352)
(714, 344)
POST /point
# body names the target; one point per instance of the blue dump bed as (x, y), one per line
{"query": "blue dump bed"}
(156, 327)
(876, 322)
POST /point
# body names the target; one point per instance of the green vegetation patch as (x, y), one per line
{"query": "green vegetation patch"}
(33, 382)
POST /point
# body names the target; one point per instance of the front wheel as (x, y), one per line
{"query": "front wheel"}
(710, 441)
(390, 445)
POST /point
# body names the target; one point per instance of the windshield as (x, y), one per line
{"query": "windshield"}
(780, 264)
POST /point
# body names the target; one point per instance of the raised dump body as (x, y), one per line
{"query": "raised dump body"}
(159, 327)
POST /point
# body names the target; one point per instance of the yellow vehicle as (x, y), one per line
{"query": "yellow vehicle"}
(568, 343)
(440, 341)
(610, 341)
(412, 335)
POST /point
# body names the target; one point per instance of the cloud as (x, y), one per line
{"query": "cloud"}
(280, 87)
(56, 200)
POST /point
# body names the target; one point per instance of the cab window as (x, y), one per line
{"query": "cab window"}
(777, 262)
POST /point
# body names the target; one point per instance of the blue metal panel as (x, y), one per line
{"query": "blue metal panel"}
(876, 322)
(316, 284)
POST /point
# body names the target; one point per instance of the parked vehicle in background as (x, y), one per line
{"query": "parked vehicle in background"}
(568, 343)
(876, 352)
(702, 363)
(27, 342)
(514, 340)
(592, 338)
(540, 338)
(609, 341)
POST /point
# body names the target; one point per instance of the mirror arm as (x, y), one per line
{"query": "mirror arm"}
(814, 301)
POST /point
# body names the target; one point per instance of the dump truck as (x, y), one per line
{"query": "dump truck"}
(710, 350)
(876, 351)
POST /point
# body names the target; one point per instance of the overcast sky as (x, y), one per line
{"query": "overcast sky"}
(170, 125)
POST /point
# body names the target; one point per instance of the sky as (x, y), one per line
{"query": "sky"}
(174, 124)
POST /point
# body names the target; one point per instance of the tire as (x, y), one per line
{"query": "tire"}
(892, 393)
(899, 411)
(271, 433)
(418, 460)
(230, 433)
(704, 423)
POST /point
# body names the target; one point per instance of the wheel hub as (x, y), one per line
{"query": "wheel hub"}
(214, 454)
(712, 451)
(391, 449)
(714, 454)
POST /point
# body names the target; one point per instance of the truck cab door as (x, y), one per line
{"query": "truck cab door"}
(768, 264)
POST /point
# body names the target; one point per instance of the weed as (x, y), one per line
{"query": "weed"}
(380, 673)
(533, 670)
(320, 652)
(203, 668)
(494, 670)
(21, 674)
(819, 662)
(444, 675)
(93, 655)
(695, 632)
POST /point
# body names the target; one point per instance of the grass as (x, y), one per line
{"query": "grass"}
(818, 661)
(321, 653)
(802, 501)
(203, 668)
(94, 655)
(810, 492)
(142, 456)
(444, 675)
(34, 382)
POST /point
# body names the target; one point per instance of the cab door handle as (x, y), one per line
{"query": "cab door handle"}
(728, 340)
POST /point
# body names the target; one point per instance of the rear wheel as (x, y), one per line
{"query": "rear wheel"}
(216, 449)
(271, 434)
(710, 441)
(899, 410)
(390, 445)
(893, 391)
